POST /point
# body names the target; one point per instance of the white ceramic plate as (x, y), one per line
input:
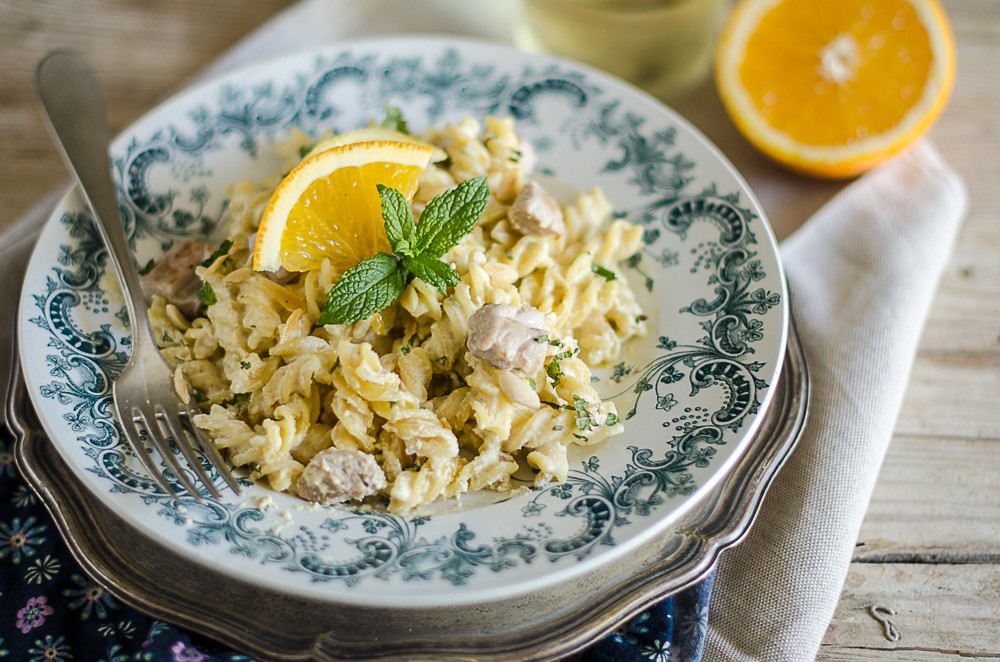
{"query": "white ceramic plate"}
(709, 276)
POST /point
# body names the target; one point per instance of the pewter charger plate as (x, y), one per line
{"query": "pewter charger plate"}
(694, 394)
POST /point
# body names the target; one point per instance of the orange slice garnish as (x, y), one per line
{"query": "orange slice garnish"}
(328, 207)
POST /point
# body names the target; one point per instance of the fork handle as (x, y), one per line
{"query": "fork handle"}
(74, 105)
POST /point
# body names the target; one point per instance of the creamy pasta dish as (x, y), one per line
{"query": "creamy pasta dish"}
(438, 394)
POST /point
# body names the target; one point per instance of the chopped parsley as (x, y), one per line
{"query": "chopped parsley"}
(606, 274)
(206, 295)
(223, 249)
(239, 400)
(554, 371)
(584, 419)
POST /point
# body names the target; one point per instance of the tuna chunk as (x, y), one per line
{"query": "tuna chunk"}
(173, 276)
(335, 475)
(536, 212)
(507, 338)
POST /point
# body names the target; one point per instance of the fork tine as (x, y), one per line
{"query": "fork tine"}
(209, 449)
(178, 430)
(133, 438)
(162, 445)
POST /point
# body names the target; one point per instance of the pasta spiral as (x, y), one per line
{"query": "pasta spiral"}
(403, 385)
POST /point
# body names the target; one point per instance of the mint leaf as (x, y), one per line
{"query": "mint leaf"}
(450, 216)
(432, 271)
(363, 290)
(398, 217)
(394, 119)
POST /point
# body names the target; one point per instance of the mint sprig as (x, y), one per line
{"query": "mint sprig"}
(373, 284)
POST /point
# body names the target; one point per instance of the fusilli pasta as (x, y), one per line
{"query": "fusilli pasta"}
(402, 386)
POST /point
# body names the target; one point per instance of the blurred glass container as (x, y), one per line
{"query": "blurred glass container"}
(663, 46)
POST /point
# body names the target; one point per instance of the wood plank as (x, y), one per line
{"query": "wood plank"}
(142, 51)
(966, 297)
(846, 654)
(972, 338)
(967, 309)
(942, 612)
(952, 396)
(935, 501)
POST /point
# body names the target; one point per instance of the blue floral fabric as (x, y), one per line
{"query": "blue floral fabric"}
(51, 611)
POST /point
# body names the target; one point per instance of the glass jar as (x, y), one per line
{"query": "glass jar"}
(662, 46)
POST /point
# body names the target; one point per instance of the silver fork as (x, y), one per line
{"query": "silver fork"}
(147, 405)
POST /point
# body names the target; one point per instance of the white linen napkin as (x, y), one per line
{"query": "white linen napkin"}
(862, 274)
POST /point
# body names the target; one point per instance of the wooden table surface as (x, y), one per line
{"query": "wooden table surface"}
(929, 548)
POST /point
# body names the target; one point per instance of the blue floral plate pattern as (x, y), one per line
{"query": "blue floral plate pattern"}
(692, 393)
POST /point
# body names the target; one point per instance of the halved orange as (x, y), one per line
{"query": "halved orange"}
(328, 207)
(831, 89)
